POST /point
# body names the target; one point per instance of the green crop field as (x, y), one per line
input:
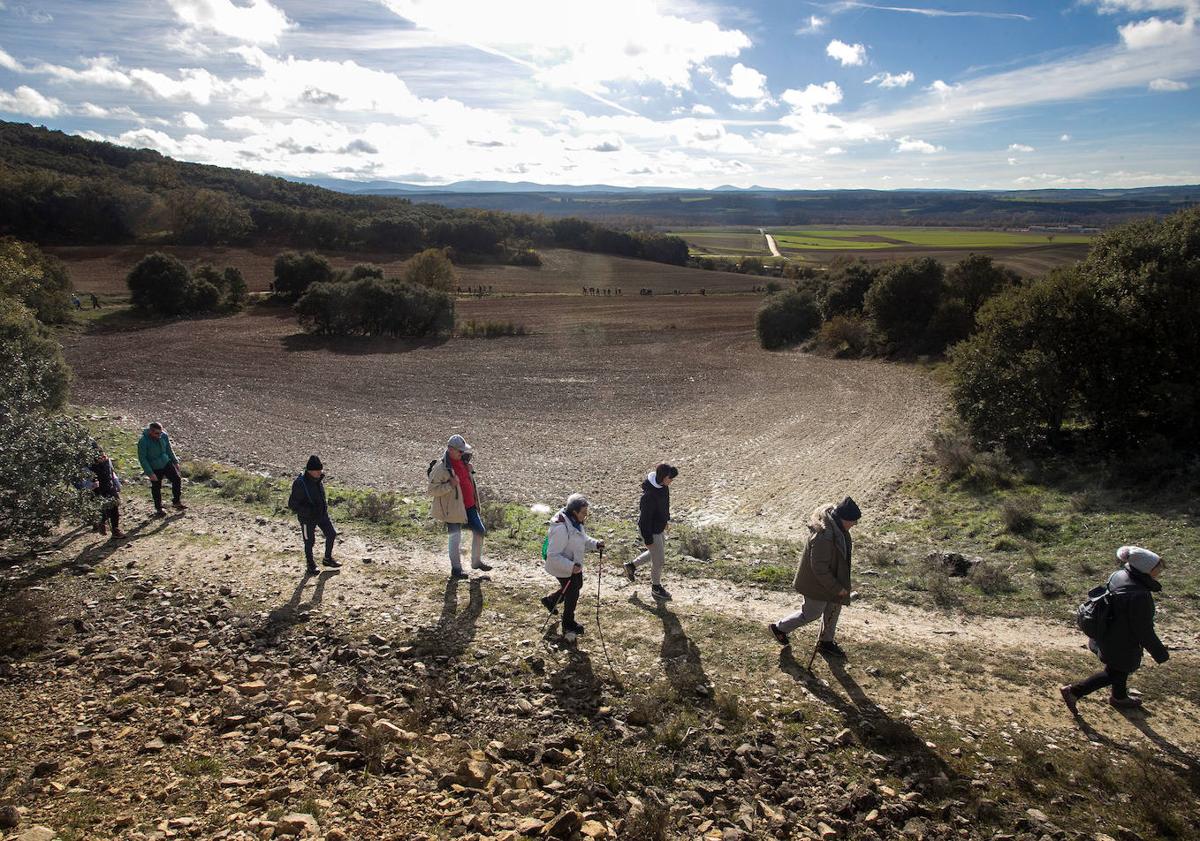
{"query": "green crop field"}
(725, 243)
(853, 239)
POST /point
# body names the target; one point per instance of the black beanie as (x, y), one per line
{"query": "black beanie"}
(848, 509)
(314, 463)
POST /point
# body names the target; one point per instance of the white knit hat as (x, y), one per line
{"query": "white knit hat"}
(1143, 560)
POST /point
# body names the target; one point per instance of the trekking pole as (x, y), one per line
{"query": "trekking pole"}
(813, 659)
(599, 627)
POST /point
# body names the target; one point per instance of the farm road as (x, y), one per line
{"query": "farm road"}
(771, 243)
(601, 391)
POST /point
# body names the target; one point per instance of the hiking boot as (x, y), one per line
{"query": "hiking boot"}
(660, 594)
(481, 566)
(158, 512)
(1126, 703)
(780, 636)
(572, 628)
(630, 571)
(1070, 699)
(331, 563)
(458, 575)
(117, 535)
(550, 603)
(100, 529)
(179, 506)
(311, 569)
(831, 649)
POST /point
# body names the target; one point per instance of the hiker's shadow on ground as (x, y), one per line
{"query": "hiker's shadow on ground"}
(93, 554)
(453, 632)
(871, 725)
(680, 656)
(296, 610)
(575, 686)
(1184, 764)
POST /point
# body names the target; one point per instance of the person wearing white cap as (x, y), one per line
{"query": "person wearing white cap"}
(566, 544)
(1130, 630)
(456, 503)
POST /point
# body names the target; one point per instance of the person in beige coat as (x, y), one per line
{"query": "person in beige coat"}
(456, 503)
(823, 575)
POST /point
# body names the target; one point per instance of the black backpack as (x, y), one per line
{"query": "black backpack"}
(1094, 617)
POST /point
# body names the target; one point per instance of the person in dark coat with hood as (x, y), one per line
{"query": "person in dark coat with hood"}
(308, 501)
(654, 518)
(1130, 630)
(107, 486)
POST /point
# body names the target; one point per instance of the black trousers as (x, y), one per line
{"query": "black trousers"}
(310, 537)
(568, 594)
(1109, 677)
(110, 510)
(171, 473)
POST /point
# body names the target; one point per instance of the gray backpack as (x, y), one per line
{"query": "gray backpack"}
(1094, 617)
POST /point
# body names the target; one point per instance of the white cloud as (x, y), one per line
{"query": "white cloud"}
(932, 13)
(190, 120)
(746, 83)
(813, 96)
(1165, 85)
(1012, 161)
(1019, 147)
(256, 23)
(1156, 32)
(850, 55)
(912, 144)
(888, 80)
(1111, 7)
(98, 70)
(28, 102)
(587, 46)
(835, 150)
(10, 63)
(704, 110)
(814, 25)
(1065, 138)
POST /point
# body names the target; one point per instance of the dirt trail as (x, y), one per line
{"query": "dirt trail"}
(771, 243)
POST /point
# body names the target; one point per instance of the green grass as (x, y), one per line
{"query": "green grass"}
(842, 239)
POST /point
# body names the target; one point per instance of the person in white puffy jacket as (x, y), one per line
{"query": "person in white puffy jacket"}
(567, 543)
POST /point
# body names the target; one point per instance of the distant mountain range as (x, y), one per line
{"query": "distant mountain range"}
(383, 188)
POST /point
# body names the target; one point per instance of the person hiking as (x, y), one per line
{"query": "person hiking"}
(307, 500)
(95, 301)
(654, 519)
(158, 463)
(823, 575)
(1130, 630)
(107, 486)
(456, 503)
(566, 544)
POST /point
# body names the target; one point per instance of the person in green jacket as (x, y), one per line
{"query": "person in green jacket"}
(158, 463)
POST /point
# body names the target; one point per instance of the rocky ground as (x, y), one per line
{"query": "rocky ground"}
(189, 683)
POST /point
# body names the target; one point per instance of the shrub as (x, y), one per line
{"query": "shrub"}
(845, 336)
(902, 301)
(846, 287)
(952, 451)
(372, 307)
(525, 257)
(975, 279)
(295, 272)
(236, 290)
(203, 296)
(1050, 589)
(992, 580)
(432, 269)
(1019, 515)
(363, 270)
(374, 507)
(697, 542)
(161, 284)
(248, 488)
(37, 280)
(34, 376)
(787, 318)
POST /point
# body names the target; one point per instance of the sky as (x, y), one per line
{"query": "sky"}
(968, 94)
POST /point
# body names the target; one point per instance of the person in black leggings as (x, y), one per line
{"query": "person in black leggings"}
(1130, 630)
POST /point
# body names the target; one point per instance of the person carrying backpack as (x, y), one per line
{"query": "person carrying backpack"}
(456, 503)
(654, 518)
(1129, 630)
(566, 544)
(107, 486)
(307, 500)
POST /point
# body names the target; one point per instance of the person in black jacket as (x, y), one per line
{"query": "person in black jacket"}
(654, 519)
(107, 486)
(308, 501)
(1130, 630)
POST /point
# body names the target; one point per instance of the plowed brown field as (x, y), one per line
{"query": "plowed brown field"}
(602, 389)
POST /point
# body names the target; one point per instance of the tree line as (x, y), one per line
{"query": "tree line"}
(57, 188)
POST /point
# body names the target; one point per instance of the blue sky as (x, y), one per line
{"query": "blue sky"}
(966, 94)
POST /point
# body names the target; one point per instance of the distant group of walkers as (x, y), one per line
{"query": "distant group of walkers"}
(822, 578)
